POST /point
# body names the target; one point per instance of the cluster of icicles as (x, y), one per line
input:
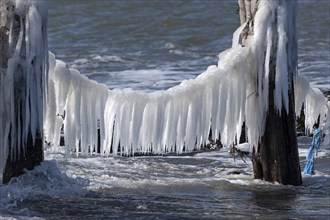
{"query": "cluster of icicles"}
(176, 120)
(214, 104)
(23, 78)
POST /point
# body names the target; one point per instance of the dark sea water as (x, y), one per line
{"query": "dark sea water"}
(152, 45)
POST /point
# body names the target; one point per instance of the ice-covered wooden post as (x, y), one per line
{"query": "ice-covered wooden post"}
(276, 158)
(23, 73)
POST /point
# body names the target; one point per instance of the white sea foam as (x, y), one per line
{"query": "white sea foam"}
(143, 79)
(64, 177)
(47, 179)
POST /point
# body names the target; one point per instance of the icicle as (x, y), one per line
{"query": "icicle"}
(315, 103)
(282, 78)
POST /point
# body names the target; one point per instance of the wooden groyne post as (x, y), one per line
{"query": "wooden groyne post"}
(23, 73)
(277, 158)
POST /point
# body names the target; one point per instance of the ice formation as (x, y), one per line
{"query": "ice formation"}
(23, 75)
(314, 102)
(180, 119)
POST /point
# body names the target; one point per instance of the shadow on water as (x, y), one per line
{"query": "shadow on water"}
(280, 201)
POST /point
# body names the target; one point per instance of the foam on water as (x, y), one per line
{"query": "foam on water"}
(68, 178)
(46, 180)
(158, 79)
(71, 177)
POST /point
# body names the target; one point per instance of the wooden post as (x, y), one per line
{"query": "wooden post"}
(20, 147)
(277, 158)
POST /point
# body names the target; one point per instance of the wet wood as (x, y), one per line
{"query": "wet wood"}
(277, 158)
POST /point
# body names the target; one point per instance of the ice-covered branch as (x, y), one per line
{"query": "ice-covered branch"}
(176, 120)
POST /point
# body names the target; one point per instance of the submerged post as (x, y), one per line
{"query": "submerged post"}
(23, 73)
(276, 159)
